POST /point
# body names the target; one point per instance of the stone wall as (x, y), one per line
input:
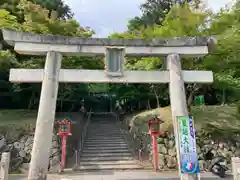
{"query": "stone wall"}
(205, 142)
(225, 146)
(18, 139)
(21, 149)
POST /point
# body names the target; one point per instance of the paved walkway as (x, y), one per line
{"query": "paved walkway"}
(120, 175)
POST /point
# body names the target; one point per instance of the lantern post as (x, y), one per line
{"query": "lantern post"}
(154, 131)
(65, 128)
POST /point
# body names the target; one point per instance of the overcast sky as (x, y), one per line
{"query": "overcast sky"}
(108, 16)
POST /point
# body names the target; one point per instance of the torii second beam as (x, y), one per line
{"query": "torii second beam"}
(99, 76)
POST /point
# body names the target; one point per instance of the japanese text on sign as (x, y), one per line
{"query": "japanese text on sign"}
(188, 153)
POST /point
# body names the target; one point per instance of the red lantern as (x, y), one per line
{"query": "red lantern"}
(154, 126)
(65, 128)
(154, 131)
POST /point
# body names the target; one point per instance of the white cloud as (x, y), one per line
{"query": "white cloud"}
(107, 16)
(217, 4)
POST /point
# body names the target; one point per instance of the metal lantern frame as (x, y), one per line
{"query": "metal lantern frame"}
(154, 131)
(65, 128)
(152, 124)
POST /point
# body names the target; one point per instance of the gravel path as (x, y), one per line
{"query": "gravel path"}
(124, 175)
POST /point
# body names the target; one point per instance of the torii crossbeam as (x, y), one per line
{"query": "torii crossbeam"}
(56, 46)
(99, 76)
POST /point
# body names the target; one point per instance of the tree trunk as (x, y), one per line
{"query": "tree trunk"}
(223, 96)
(149, 105)
(192, 89)
(157, 97)
(158, 104)
(190, 98)
(30, 104)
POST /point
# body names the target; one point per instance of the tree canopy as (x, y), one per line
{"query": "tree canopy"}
(155, 11)
(159, 19)
(63, 11)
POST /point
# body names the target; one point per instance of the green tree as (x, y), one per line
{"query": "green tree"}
(37, 20)
(63, 10)
(154, 12)
(186, 21)
(225, 26)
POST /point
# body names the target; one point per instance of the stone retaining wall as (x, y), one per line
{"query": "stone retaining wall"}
(18, 139)
(227, 147)
(21, 152)
(167, 150)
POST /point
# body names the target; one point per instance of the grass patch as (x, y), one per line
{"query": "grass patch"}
(18, 116)
(221, 118)
(23, 116)
(216, 119)
(15, 123)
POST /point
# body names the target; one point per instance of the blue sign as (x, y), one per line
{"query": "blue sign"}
(187, 142)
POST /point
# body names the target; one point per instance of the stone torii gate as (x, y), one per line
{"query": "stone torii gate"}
(56, 46)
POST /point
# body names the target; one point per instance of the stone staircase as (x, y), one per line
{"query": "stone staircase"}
(105, 147)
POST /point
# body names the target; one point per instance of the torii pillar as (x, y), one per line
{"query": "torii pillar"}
(45, 118)
(177, 97)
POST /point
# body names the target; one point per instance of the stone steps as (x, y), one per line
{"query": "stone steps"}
(99, 133)
(108, 158)
(103, 145)
(109, 150)
(110, 167)
(105, 139)
(108, 143)
(103, 136)
(105, 148)
(112, 154)
(103, 130)
(128, 162)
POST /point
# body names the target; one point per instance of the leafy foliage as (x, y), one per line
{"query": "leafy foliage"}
(63, 10)
(159, 19)
(154, 12)
(7, 60)
(37, 19)
(224, 61)
(7, 20)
